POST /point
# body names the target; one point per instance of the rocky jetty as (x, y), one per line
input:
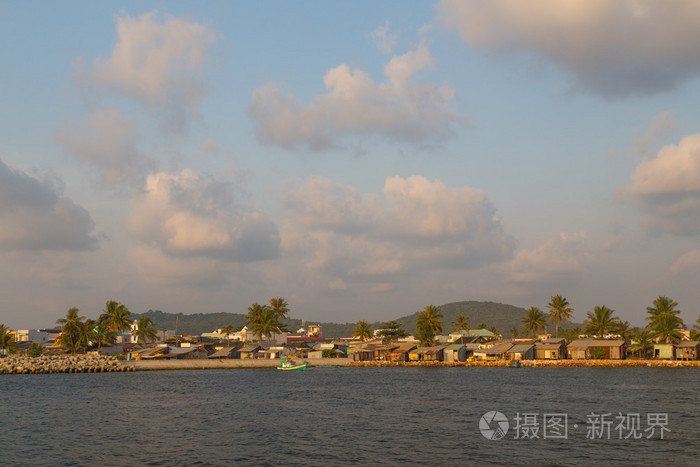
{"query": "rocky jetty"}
(15, 365)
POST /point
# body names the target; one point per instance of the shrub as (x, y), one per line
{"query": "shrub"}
(35, 351)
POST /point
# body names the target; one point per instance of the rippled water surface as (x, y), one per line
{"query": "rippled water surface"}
(325, 416)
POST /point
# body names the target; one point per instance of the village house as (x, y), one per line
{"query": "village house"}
(400, 354)
(584, 349)
(688, 350)
(456, 353)
(249, 351)
(550, 351)
(427, 354)
(664, 351)
(497, 351)
(521, 352)
(227, 352)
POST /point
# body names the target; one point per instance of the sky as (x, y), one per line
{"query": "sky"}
(360, 159)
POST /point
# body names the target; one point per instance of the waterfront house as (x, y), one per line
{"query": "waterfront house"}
(249, 351)
(400, 354)
(227, 352)
(688, 350)
(550, 351)
(583, 349)
(427, 354)
(360, 354)
(521, 352)
(455, 353)
(495, 352)
(664, 351)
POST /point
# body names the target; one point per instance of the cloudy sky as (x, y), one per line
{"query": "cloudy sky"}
(360, 159)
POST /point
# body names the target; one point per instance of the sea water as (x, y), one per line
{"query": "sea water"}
(326, 416)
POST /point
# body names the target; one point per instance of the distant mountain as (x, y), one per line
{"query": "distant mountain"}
(502, 316)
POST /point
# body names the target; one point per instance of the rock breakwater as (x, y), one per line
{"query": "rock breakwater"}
(14, 365)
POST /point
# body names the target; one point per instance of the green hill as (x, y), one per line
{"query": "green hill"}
(502, 316)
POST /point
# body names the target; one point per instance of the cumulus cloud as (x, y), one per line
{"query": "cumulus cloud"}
(414, 224)
(688, 262)
(385, 41)
(108, 143)
(661, 125)
(613, 48)
(186, 216)
(555, 261)
(667, 187)
(158, 62)
(34, 215)
(401, 108)
(158, 268)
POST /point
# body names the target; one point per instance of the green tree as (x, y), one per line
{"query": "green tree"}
(35, 351)
(116, 316)
(513, 332)
(363, 331)
(280, 306)
(601, 321)
(101, 335)
(7, 340)
(429, 325)
(146, 330)
(226, 331)
(622, 329)
(534, 321)
(642, 343)
(72, 330)
(695, 332)
(263, 321)
(572, 334)
(666, 328)
(559, 310)
(461, 324)
(392, 330)
(662, 305)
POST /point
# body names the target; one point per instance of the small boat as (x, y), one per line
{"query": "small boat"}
(288, 364)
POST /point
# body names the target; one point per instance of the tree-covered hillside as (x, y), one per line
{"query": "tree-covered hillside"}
(502, 316)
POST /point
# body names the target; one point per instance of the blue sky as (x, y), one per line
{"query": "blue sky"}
(362, 160)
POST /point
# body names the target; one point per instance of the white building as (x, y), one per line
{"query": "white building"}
(31, 335)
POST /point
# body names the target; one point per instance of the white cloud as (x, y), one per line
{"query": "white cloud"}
(187, 215)
(686, 263)
(614, 48)
(661, 125)
(108, 143)
(158, 62)
(34, 215)
(385, 41)
(155, 267)
(555, 261)
(416, 224)
(667, 187)
(401, 109)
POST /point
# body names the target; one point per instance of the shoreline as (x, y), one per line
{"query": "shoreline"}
(75, 364)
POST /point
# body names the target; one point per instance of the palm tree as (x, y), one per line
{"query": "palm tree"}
(146, 330)
(116, 317)
(601, 321)
(513, 332)
(559, 310)
(534, 321)
(7, 340)
(695, 332)
(662, 305)
(280, 306)
(226, 331)
(363, 331)
(87, 330)
(642, 342)
(666, 328)
(72, 330)
(461, 324)
(622, 329)
(101, 335)
(429, 325)
(263, 321)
